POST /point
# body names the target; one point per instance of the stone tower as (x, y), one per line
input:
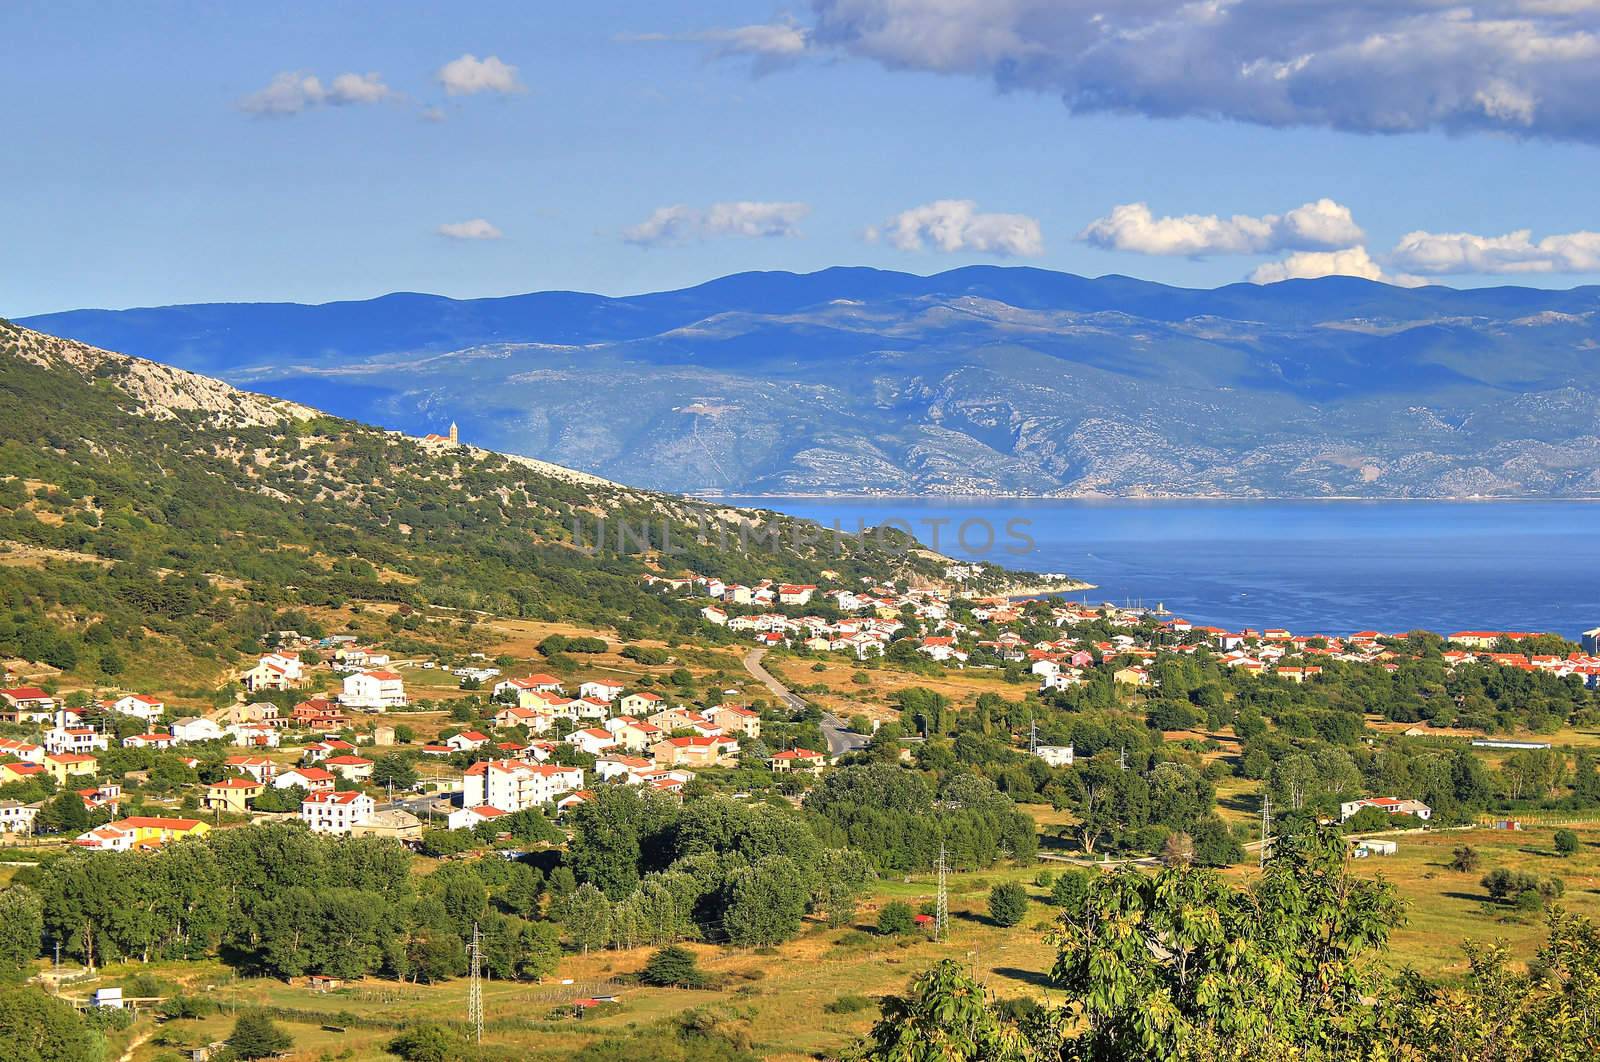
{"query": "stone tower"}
(455, 435)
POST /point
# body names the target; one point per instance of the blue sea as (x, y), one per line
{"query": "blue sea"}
(1329, 567)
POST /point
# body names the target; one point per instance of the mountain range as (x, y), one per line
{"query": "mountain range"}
(981, 380)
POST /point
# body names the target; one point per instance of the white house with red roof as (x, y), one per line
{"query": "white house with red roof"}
(311, 779)
(796, 760)
(26, 751)
(601, 689)
(152, 740)
(26, 704)
(318, 751)
(640, 703)
(512, 785)
(467, 818)
(1392, 805)
(335, 812)
(467, 741)
(636, 735)
(593, 740)
(75, 739)
(137, 705)
(274, 671)
(260, 768)
(350, 768)
(373, 691)
(537, 721)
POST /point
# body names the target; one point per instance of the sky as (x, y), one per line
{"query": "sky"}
(188, 152)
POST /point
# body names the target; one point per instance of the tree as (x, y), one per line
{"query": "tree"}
(896, 918)
(765, 903)
(36, 1028)
(63, 813)
(1008, 903)
(1464, 858)
(21, 928)
(255, 1035)
(428, 1042)
(843, 874)
(1071, 889)
(673, 967)
(587, 916)
(946, 1017)
(1177, 849)
(395, 769)
(1566, 842)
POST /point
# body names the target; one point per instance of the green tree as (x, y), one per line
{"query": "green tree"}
(1008, 903)
(255, 1035)
(896, 918)
(36, 1028)
(673, 967)
(1566, 842)
(21, 929)
(428, 1042)
(947, 1016)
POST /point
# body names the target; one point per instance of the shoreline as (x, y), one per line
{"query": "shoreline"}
(1122, 499)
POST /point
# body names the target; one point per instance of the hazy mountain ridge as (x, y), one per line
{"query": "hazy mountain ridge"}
(980, 381)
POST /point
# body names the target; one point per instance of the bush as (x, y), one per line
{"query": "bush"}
(896, 919)
(257, 1036)
(673, 967)
(428, 1042)
(1511, 886)
(1008, 903)
(848, 1004)
(1566, 842)
(1464, 858)
(1071, 889)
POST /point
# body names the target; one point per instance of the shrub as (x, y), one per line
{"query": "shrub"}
(1071, 889)
(1566, 842)
(673, 967)
(1464, 858)
(896, 918)
(1008, 903)
(848, 1004)
(427, 1042)
(257, 1036)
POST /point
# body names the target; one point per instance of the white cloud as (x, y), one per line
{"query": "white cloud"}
(1322, 225)
(1348, 262)
(1515, 252)
(952, 225)
(476, 229)
(294, 91)
(770, 44)
(469, 75)
(1529, 67)
(680, 223)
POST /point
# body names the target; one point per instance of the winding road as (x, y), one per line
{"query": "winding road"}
(841, 739)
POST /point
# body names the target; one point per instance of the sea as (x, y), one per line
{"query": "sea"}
(1329, 567)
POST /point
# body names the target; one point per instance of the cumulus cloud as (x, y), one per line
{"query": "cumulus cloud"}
(681, 223)
(952, 225)
(1528, 67)
(294, 91)
(1348, 262)
(476, 229)
(1322, 225)
(1515, 252)
(469, 75)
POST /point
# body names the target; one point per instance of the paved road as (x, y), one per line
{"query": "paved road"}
(841, 739)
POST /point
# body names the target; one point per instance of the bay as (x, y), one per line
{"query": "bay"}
(1329, 567)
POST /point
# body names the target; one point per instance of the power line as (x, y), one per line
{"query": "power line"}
(475, 991)
(941, 916)
(1266, 825)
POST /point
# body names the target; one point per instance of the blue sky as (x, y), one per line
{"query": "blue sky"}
(140, 169)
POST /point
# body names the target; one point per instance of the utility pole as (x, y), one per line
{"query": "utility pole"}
(475, 991)
(1266, 825)
(941, 910)
(1033, 733)
(1122, 758)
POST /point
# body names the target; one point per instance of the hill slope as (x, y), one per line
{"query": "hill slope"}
(979, 380)
(150, 513)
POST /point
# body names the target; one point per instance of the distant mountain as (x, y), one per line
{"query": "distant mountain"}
(982, 380)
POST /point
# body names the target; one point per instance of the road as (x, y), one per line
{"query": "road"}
(841, 739)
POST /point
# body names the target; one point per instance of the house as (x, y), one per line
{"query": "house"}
(512, 785)
(21, 772)
(65, 765)
(141, 831)
(467, 741)
(1055, 755)
(26, 704)
(256, 713)
(601, 690)
(636, 735)
(232, 795)
(537, 722)
(1131, 676)
(140, 707)
(375, 691)
(318, 751)
(350, 768)
(467, 818)
(319, 713)
(311, 779)
(796, 760)
(107, 838)
(397, 824)
(17, 817)
(640, 704)
(695, 752)
(253, 735)
(359, 658)
(612, 766)
(101, 796)
(334, 812)
(25, 751)
(274, 671)
(1388, 804)
(593, 741)
(713, 614)
(795, 593)
(732, 719)
(258, 767)
(196, 729)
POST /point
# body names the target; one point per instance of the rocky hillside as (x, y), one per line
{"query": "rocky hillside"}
(139, 501)
(979, 381)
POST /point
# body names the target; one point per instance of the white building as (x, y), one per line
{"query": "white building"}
(600, 690)
(79, 739)
(373, 691)
(512, 785)
(1387, 804)
(1055, 755)
(335, 812)
(147, 708)
(188, 731)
